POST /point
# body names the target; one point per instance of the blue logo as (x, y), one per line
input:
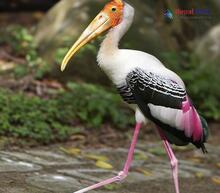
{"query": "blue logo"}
(168, 14)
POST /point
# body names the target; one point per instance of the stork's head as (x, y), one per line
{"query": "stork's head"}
(108, 18)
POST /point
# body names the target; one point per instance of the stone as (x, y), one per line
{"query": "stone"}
(208, 47)
(22, 190)
(54, 182)
(90, 175)
(20, 174)
(8, 164)
(19, 167)
(45, 158)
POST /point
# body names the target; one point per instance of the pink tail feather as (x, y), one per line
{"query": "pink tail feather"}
(191, 122)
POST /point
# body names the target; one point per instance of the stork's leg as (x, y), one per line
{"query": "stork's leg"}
(123, 174)
(173, 160)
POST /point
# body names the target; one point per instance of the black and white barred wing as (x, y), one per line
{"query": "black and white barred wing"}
(155, 89)
(165, 101)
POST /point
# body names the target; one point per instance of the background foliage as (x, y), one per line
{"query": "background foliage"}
(202, 81)
(56, 118)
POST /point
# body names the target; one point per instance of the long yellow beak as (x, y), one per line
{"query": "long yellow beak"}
(100, 24)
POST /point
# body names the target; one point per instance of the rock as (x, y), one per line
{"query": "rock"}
(90, 175)
(23, 190)
(19, 167)
(44, 158)
(59, 22)
(58, 183)
(208, 47)
(54, 182)
(25, 176)
(9, 164)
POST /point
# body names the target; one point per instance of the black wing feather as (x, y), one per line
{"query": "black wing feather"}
(154, 89)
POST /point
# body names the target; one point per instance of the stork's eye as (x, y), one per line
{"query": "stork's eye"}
(114, 9)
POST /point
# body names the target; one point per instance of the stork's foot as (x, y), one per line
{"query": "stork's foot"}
(122, 175)
(119, 178)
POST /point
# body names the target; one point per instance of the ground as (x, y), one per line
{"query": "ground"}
(60, 169)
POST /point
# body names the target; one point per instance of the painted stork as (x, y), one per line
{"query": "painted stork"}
(156, 93)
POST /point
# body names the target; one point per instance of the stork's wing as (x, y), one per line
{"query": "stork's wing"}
(155, 89)
(165, 102)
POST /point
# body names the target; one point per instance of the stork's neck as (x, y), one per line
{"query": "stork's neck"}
(111, 42)
(109, 46)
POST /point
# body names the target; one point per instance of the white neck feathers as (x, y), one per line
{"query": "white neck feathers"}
(110, 44)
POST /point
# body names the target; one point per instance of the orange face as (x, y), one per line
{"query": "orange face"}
(109, 17)
(114, 10)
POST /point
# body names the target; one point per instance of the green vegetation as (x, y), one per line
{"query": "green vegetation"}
(47, 120)
(53, 119)
(22, 46)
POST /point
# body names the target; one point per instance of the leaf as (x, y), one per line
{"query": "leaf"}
(96, 157)
(112, 186)
(216, 180)
(140, 156)
(71, 151)
(157, 151)
(199, 175)
(218, 165)
(103, 165)
(182, 148)
(145, 172)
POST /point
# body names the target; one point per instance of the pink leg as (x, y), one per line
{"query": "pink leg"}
(173, 161)
(123, 174)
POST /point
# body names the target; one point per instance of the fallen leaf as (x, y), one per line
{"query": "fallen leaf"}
(103, 165)
(199, 175)
(96, 157)
(218, 165)
(140, 156)
(157, 151)
(71, 151)
(216, 180)
(144, 171)
(182, 148)
(112, 186)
